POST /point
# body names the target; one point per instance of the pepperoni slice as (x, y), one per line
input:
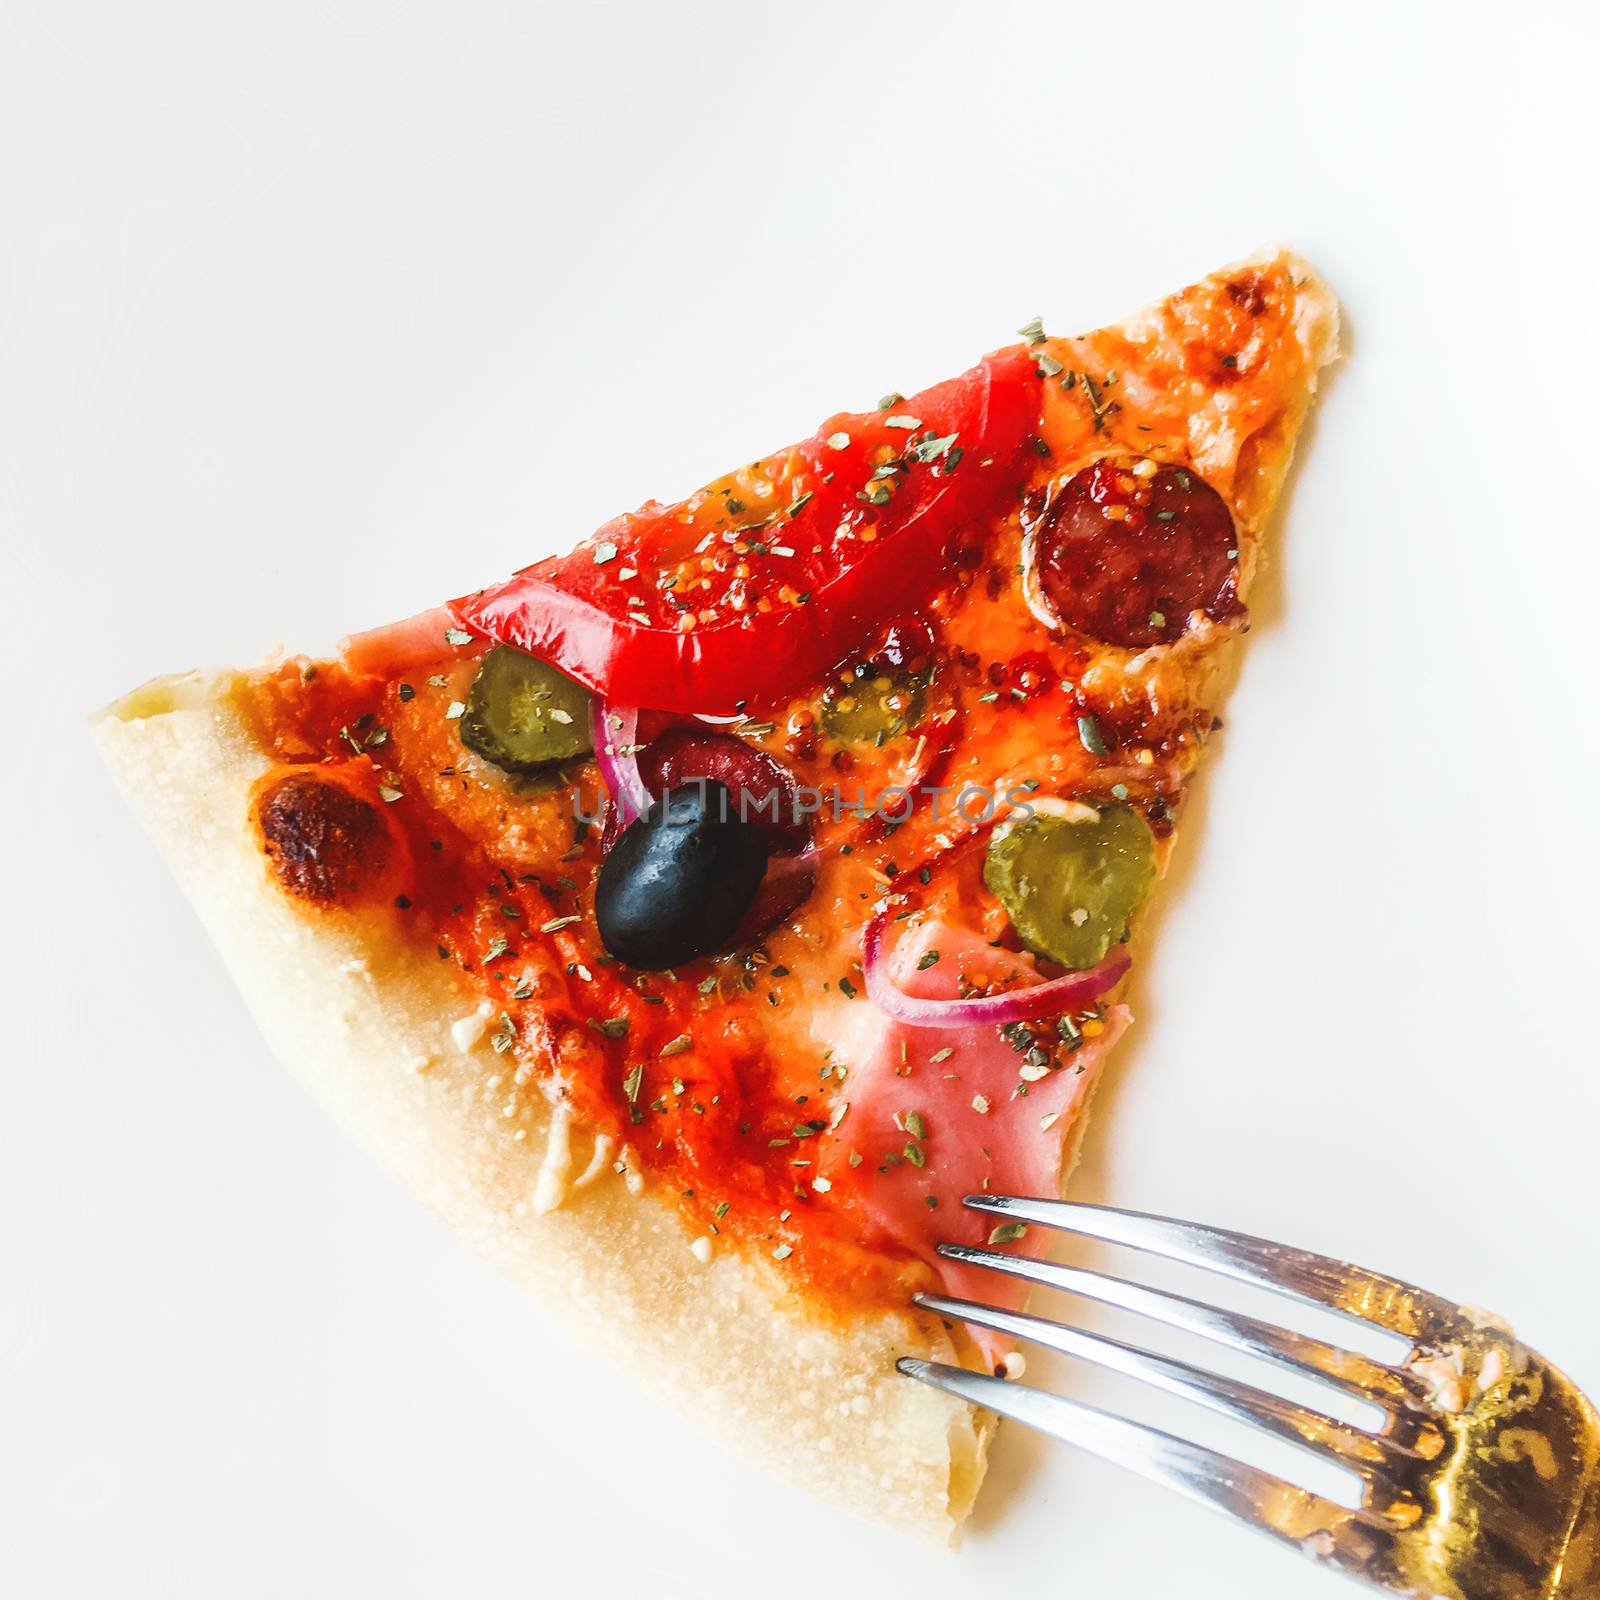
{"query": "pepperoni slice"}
(682, 754)
(766, 788)
(1129, 549)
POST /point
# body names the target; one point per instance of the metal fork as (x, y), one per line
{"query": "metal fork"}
(1482, 1483)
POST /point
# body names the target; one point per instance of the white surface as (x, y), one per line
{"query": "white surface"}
(307, 319)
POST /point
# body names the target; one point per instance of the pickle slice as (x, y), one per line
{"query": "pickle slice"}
(882, 695)
(1069, 886)
(874, 706)
(522, 714)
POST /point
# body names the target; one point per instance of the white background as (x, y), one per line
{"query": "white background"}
(311, 316)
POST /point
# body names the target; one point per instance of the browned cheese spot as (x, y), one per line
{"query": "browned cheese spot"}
(325, 843)
(1247, 292)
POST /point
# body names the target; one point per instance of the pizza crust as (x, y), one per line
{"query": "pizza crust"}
(348, 1006)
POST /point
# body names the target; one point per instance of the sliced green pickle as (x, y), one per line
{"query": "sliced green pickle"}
(872, 709)
(1068, 886)
(874, 703)
(523, 715)
(882, 695)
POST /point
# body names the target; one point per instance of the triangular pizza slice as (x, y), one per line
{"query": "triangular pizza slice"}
(693, 919)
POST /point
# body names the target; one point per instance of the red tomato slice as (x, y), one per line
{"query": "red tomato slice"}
(769, 576)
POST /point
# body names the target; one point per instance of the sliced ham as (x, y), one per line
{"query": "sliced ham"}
(398, 646)
(951, 1097)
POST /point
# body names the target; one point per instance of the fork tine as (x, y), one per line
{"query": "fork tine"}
(1343, 1371)
(1317, 1280)
(1256, 1498)
(1366, 1454)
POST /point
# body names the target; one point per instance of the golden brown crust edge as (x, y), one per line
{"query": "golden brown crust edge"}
(349, 1007)
(1265, 457)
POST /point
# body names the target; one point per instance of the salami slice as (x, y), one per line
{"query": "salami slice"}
(764, 788)
(1128, 549)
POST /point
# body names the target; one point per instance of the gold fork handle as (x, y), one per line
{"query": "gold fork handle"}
(1517, 1501)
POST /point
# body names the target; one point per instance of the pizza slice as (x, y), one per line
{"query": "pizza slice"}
(694, 918)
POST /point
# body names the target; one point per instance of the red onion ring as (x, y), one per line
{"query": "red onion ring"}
(614, 731)
(1049, 998)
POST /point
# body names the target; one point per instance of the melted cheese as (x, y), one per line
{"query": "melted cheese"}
(604, 1144)
(467, 1032)
(553, 1184)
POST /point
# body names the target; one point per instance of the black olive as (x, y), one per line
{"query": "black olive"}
(679, 879)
